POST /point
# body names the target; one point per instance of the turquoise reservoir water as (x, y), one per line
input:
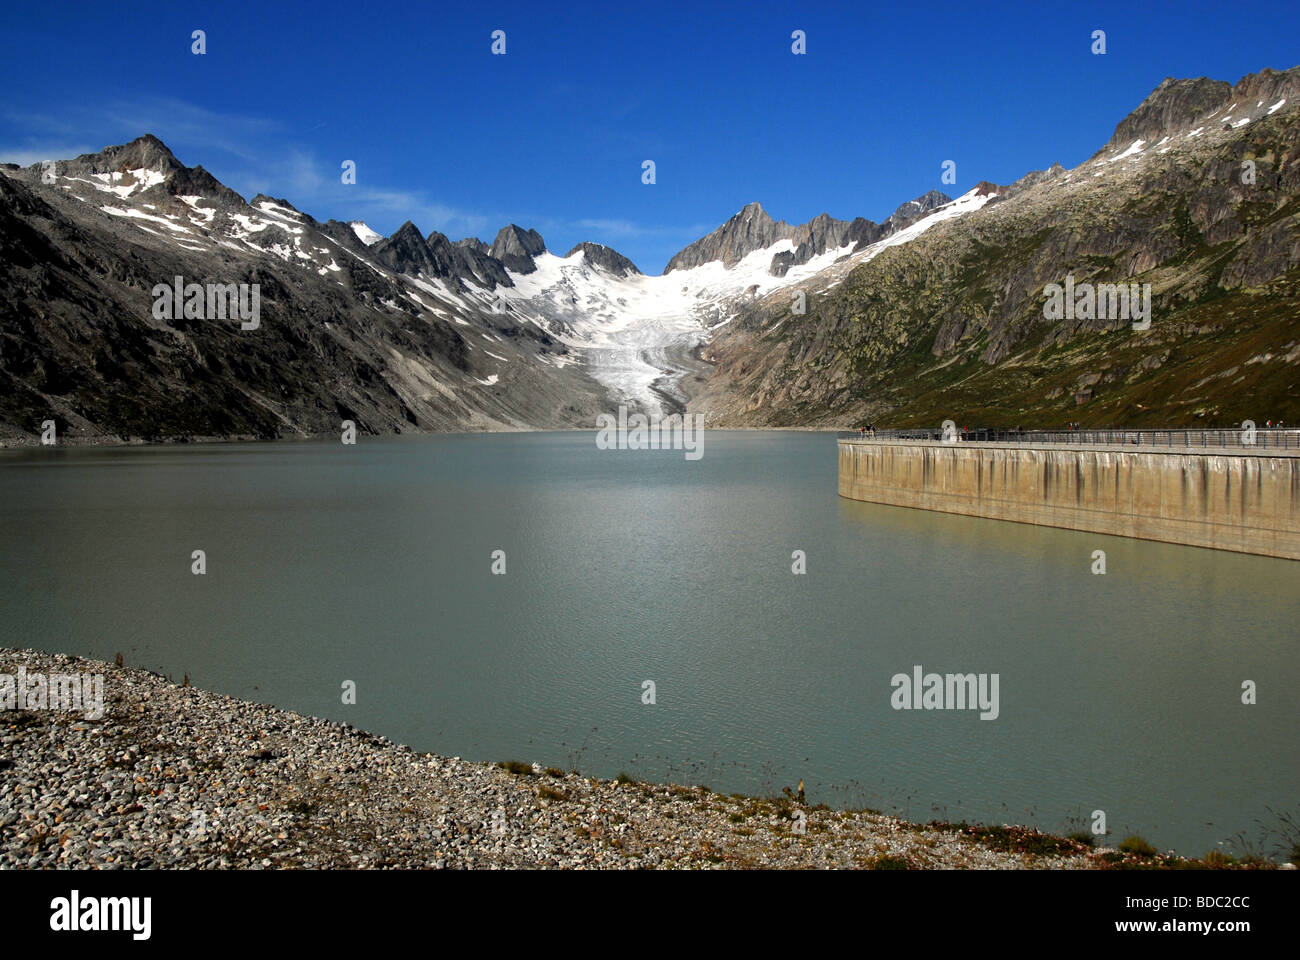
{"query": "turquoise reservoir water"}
(329, 563)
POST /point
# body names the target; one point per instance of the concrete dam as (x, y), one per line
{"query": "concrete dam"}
(1204, 489)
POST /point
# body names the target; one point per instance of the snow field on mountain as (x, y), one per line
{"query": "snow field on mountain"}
(625, 327)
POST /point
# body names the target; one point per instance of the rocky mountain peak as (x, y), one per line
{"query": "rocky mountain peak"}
(515, 247)
(440, 244)
(407, 233)
(1174, 105)
(748, 230)
(450, 260)
(517, 241)
(278, 201)
(608, 259)
(913, 210)
(145, 165)
(1180, 106)
(142, 153)
(146, 151)
(1268, 86)
(405, 251)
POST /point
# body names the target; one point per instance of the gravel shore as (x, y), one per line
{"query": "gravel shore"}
(175, 777)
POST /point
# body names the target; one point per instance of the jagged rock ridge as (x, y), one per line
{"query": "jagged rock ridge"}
(753, 229)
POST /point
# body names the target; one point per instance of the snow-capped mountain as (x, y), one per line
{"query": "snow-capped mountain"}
(638, 334)
(759, 322)
(395, 333)
(501, 318)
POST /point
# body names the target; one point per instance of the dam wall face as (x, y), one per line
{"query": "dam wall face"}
(1229, 500)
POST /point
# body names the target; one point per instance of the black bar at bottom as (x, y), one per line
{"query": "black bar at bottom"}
(376, 909)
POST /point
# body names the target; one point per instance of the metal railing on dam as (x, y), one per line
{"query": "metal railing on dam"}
(1272, 439)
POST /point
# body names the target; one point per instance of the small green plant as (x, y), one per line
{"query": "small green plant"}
(1287, 830)
(554, 772)
(516, 767)
(624, 778)
(546, 793)
(1024, 840)
(1219, 860)
(1080, 836)
(1137, 846)
(888, 863)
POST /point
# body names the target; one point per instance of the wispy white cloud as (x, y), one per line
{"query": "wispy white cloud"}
(177, 121)
(317, 184)
(631, 229)
(304, 176)
(30, 153)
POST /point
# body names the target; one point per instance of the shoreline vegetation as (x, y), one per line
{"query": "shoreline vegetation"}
(175, 777)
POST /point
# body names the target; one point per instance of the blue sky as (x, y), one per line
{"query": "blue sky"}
(553, 134)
